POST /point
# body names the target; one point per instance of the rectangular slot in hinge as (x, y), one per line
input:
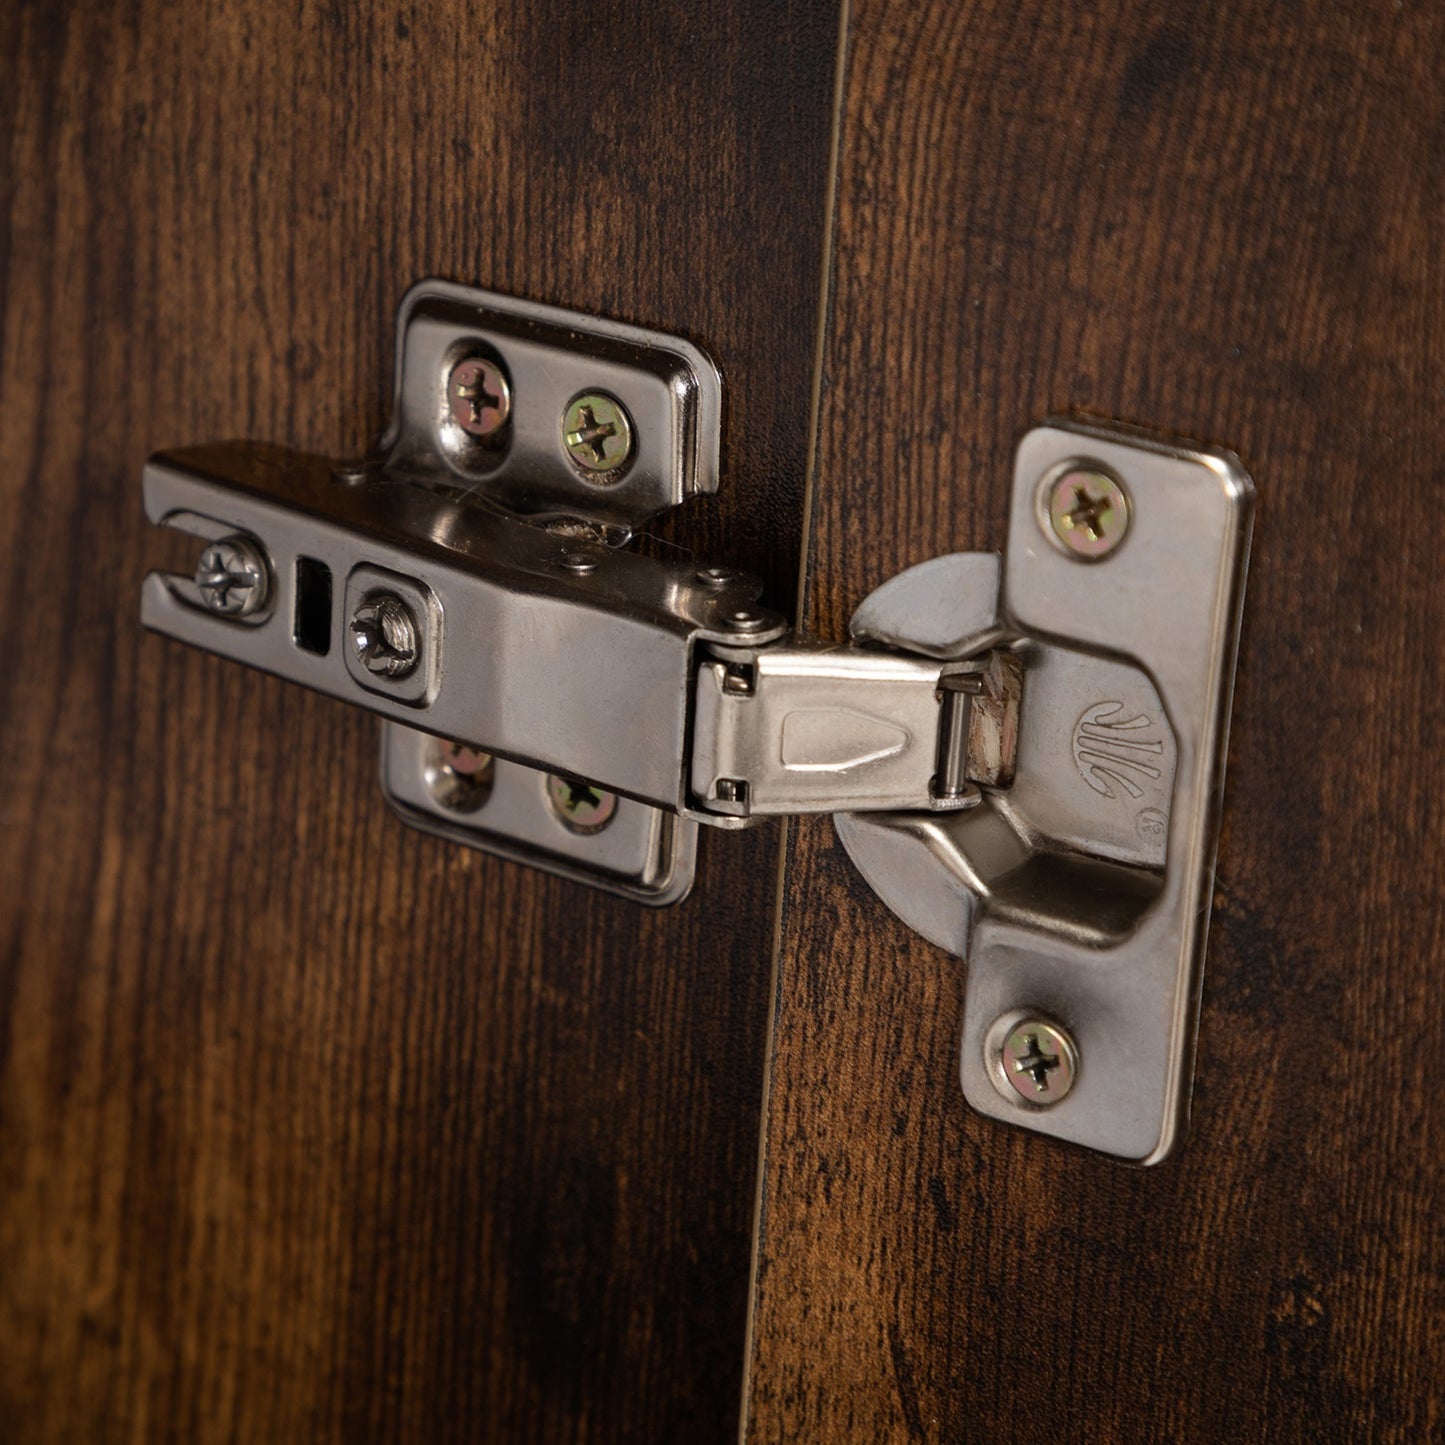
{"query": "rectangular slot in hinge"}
(312, 629)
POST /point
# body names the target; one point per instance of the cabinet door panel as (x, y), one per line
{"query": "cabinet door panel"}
(1224, 221)
(312, 1127)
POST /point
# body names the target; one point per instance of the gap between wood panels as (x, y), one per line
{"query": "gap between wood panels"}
(810, 482)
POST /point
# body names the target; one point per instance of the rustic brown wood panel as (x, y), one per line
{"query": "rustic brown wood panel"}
(1224, 220)
(311, 1128)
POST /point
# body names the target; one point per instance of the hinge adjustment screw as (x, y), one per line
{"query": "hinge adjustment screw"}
(232, 577)
(384, 634)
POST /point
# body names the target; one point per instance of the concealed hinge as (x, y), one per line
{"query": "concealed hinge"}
(1023, 752)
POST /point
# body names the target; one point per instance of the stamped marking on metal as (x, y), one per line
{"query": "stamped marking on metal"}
(1117, 752)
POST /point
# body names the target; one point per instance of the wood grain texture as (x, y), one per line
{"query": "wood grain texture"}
(312, 1128)
(1223, 220)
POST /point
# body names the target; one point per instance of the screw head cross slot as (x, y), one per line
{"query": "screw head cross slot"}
(583, 807)
(478, 397)
(1040, 1061)
(383, 632)
(1088, 512)
(597, 432)
(231, 576)
(459, 777)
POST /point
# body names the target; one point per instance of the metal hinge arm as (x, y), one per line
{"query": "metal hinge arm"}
(794, 728)
(577, 658)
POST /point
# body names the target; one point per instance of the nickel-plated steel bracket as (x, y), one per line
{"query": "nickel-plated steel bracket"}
(1025, 757)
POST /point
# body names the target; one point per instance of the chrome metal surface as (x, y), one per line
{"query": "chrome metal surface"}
(231, 577)
(1083, 891)
(582, 564)
(458, 777)
(537, 360)
(1024, 757)
(644, 853)
(797, 729)
(394, 634)
(518, 656)
(747, 619)
(597, 433)
(947, 607)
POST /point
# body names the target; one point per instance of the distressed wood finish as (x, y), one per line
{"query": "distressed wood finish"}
(1224, 220)
(310, 1127)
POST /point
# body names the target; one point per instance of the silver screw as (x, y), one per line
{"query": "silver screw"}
(478, 397)
(1088, 512)
(1040, 1061)
(747, 619)
(715, 577)
(231, 576)
(597, 432)
(383, 632)
(581, 806)
(578, 563)
(352, 474)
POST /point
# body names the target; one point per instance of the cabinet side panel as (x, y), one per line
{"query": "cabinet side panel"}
(1222, 220)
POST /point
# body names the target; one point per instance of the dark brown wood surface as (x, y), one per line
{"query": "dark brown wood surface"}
(312, 1128)
(1223, 220)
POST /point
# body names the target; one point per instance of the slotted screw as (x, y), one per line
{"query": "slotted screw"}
(232, 577)
(1088, 512)
(383, 632)
(597, 432)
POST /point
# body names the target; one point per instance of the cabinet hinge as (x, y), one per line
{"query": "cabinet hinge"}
(1023, 751)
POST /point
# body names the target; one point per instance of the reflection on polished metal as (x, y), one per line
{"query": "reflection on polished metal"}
(1038, 1061)
(597, 432)
(646, 854)
(231, 577)
(580, 564)
(805, 728)
(1024, 757)
(581, 806)
(745, 619)
(478, 396)
(383, 632)
(459, 777)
